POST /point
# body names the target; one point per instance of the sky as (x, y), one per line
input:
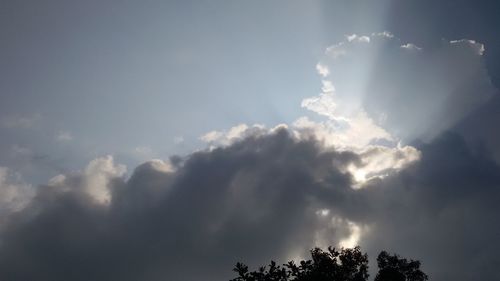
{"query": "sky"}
(168, 140)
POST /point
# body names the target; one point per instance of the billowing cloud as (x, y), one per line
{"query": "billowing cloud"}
(235, 133)
(378, 153)
(259, 195)
(266, 196)
(441, 210)
(94, 180)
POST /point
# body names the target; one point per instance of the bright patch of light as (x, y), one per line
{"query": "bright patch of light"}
(410, 46)
(238, 132)
(161, 166)
(323, 212)
(98, 174)
(356, 38)
(478, 47)
(14, 193)
(354, 237)
(322, 70)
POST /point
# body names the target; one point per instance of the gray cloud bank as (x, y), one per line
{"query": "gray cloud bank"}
(268, 196)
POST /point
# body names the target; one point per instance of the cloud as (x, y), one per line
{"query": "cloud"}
(419, 92)
(410, 46)
(344, 133)
(210, 210)
(349, 126)
(441, 210)
(323, 104)
(15, 194)
(478, 48)
(379, 154)
(235, 133)
(480, 128)
(94, 180)
(265, 196)
(322, 70)
(358, 39)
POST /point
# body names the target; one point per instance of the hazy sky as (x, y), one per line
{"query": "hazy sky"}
(378, 120)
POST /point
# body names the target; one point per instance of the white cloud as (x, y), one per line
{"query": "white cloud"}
(351, 37)
(342, 133)
(385, 34)
(410, 46)
(211, 136)
(357, 135)
(335, 51)
(323, 104)
(15, 194)
(161, 166)
(477, 47)
(98, 174)
(356, 38)
(378, 162)
(327, 87)
(95, 179)
(322, 70)
(235, 133)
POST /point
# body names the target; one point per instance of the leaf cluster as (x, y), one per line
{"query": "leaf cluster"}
(335, 265)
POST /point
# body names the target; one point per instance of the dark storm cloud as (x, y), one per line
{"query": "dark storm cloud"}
(480, 128)
(442, 210)
(255, 200)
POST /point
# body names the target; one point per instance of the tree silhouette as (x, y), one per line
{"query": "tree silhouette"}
(335, 265)
(394, 268)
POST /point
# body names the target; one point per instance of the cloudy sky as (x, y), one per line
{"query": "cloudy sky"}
(168, 140)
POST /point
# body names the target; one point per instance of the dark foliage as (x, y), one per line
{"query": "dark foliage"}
(394, 268)
(335, 265)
